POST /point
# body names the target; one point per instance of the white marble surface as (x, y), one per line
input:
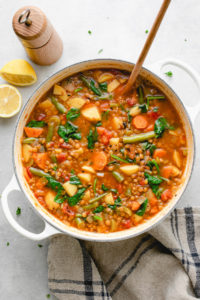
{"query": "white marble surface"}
(118, 27)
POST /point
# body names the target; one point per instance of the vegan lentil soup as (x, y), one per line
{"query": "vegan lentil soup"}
(102, 162)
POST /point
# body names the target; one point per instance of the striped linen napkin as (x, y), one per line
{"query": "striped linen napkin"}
(161, 264)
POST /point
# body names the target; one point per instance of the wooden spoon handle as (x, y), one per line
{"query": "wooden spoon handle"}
(147, 46)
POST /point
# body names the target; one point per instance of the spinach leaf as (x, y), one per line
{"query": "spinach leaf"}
(149, 146)
(98, 124)
(103, 86)
(60, 198)
(160, 126)
(73, 113)
(54, 184)
(74, 179)
(99, 209)
(77, 197)
(34, 123)
(104, 188)
(69, 130)
(92, 138)
(153, 182)
(142, 209)
(117, 203)
(152, 163)
(144, 107)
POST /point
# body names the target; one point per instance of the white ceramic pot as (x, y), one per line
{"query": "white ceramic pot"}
(54, 226)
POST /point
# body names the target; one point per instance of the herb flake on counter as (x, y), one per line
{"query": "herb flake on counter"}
(7, 244)
(100, 51)
(40, 246)
(169, 73)
(18, 211)
(146, 31)
(89, 32)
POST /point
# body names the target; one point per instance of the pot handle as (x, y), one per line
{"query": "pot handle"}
(156, 68)
(48, 230)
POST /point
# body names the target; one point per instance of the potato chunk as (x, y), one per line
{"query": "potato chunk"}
(88, 169)
(114, 141)
(91, 113)
(76, 102)
(49, 199)
(60, 91)
(26, 152)
(177, 158)
(134, 111)
(71, 189)
(85, 177)
(117, 123)
(109, 199)
(48, 107)
(129, 169)
(104, 77)
(113, 85)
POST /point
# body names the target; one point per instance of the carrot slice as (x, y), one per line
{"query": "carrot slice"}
(166, 195)
(167, 171)
(140, 122)
(159, 153)
(33, 132)
(99, 160)
(40, 159)
(135, 205)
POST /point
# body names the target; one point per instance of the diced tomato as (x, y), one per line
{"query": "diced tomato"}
(65, 145)
(166, 195)
(104, 106)
(120, 188)
(153, 114)
(66, 210)
(159, 152)
(127, 223)
(142, 182)
(63, 117)
(133, 100)
(40, 117)
(61, 157)
(104, 135)
(29, 172)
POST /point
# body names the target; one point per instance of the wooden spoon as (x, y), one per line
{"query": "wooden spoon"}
(146, 47)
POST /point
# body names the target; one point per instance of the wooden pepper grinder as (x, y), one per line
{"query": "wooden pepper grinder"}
(40, 40)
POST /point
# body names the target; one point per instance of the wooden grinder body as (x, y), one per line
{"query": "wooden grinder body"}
(40, 40)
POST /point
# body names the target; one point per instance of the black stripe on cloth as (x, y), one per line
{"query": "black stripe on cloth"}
(75, 281)
(191, 243)
(172, 224)
(184, 258)
(81, 293)
(117, 287)
(129, 258)
(186, 253)
(87, 271)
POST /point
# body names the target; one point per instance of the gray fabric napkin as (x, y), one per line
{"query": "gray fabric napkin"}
(161, 264)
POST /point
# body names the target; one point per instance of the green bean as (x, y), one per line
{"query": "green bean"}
(60, 107)
(113, 225)
(118, 176)
(141, 95)
(50, 132)
(98, 198)
(119, 158)
(90, 83)
(91, 206)
(85, 80)
(38, 172)
(138, 137)
(29, 140)
(79, 222)
(94, 185)
(55, 120)
(155, 97)
(53, 158)
(128, 192)
(97, 218)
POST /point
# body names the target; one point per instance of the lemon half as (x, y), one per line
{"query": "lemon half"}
(18, 72)
(10, 101)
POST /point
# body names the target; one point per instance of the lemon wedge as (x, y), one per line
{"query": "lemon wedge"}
(10, 101)
(18, 72)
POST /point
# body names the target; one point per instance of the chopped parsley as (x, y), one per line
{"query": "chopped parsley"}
(146, 31)
(100, 51)
(7, 244)
(89, 32)
(18, 211)
(40, 246)
(169, 73)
